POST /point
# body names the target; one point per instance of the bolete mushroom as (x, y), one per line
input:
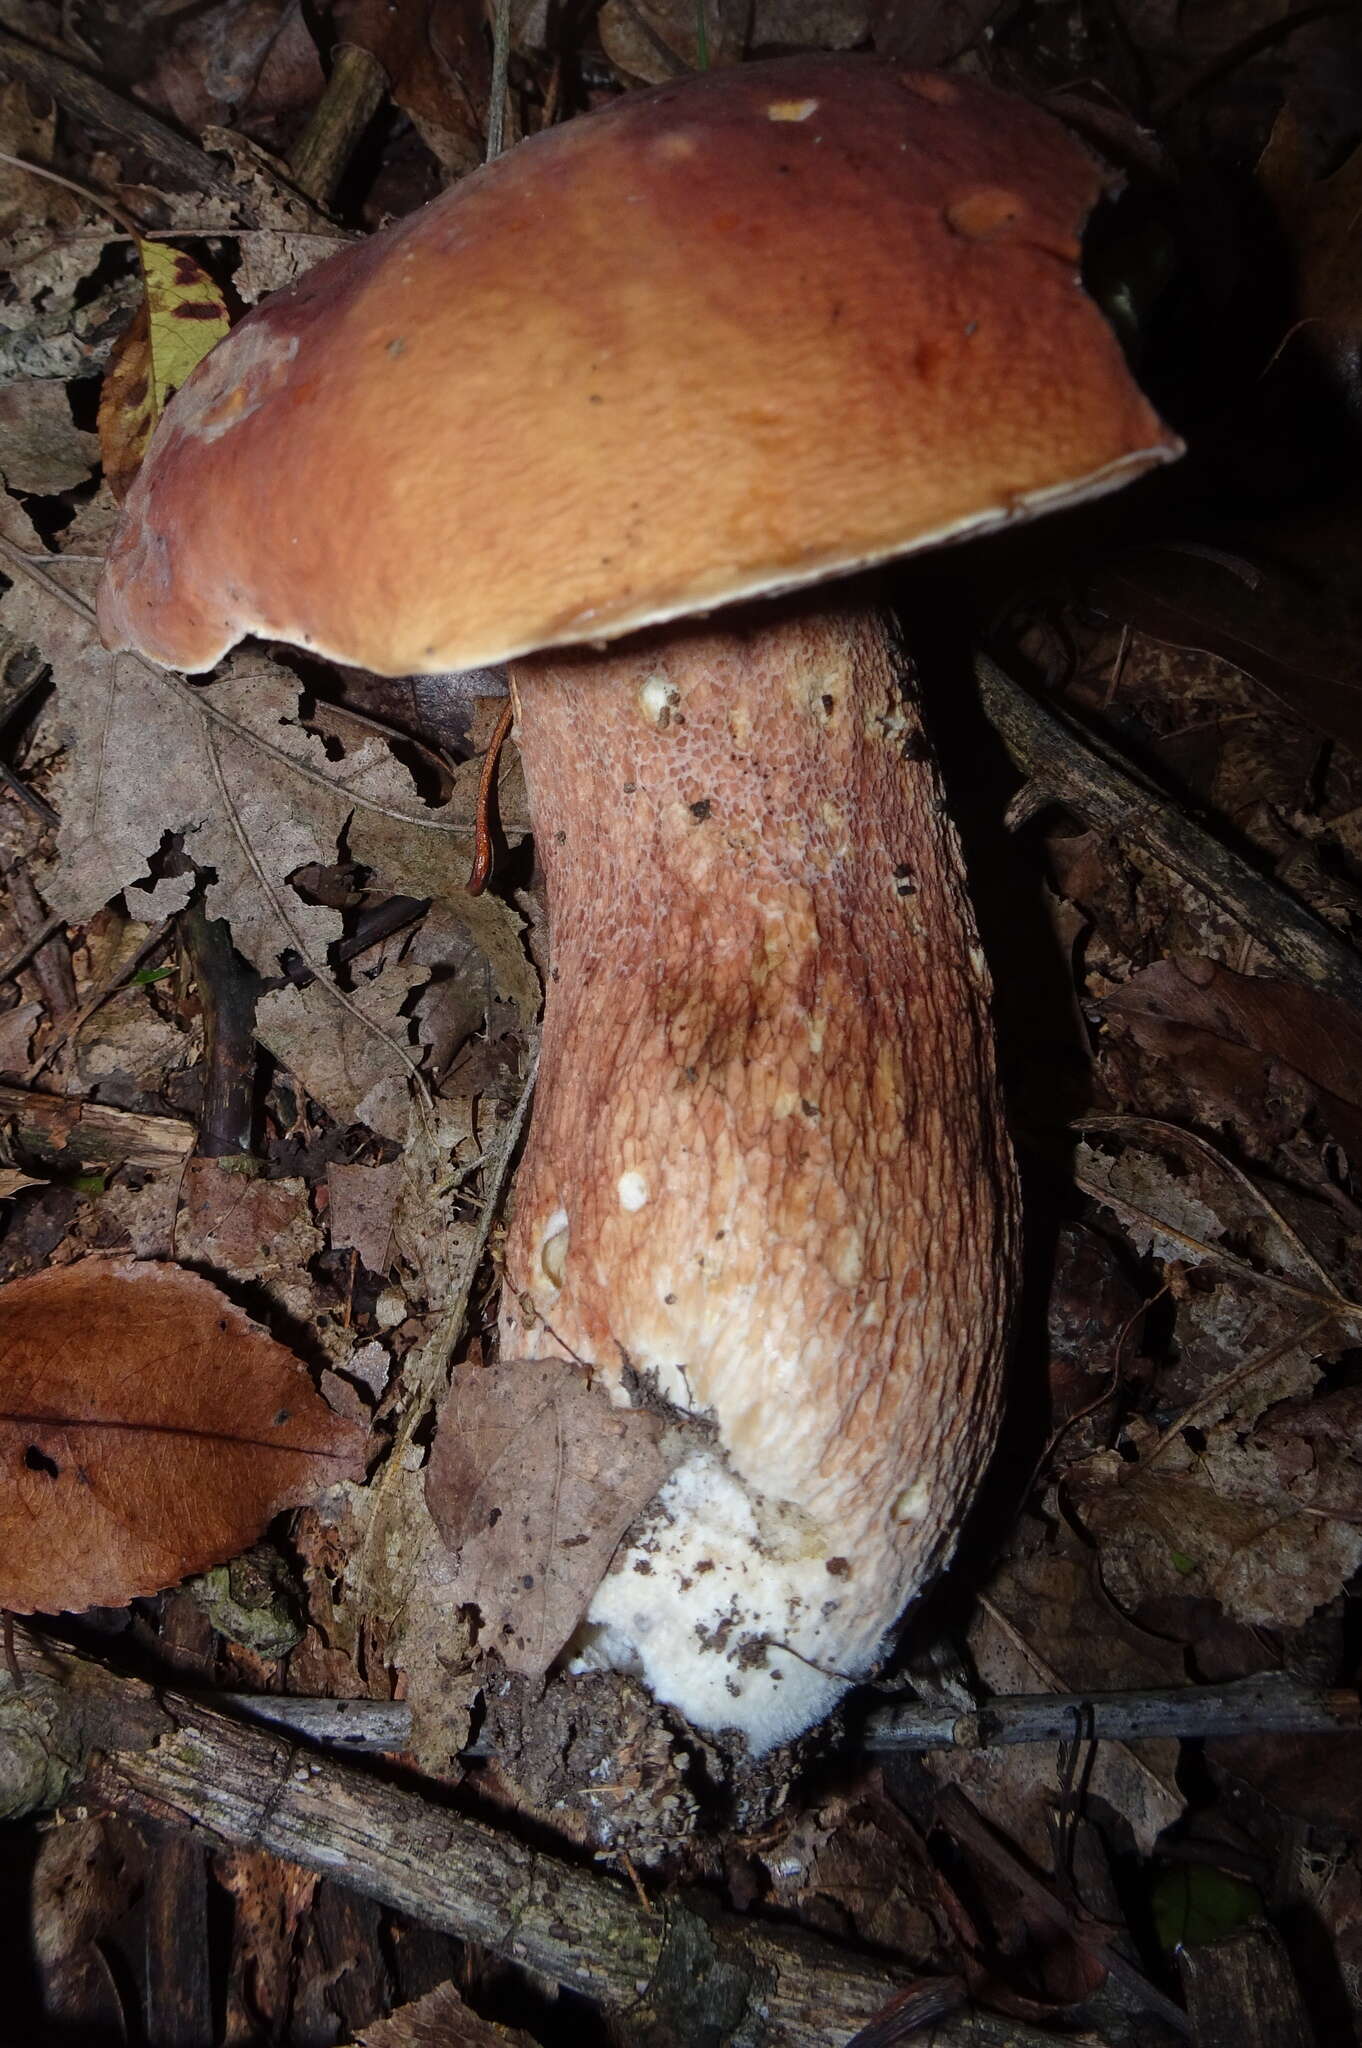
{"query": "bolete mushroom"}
(716, 342)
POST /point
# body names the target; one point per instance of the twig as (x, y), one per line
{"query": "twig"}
(52, 957)
(1088, 776)
(706, 1978)
(91, 101)
(1274, 1704)
(354, 93)
(29, 798)
(501, 64)
(22, 954)
(1239, 53)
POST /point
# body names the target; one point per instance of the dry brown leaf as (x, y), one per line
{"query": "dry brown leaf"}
(437, 58)
(1288, 632)
(927, 36)
(292, 234)
(42, 450)
(533, 1480)
(362, 1207)
(656, 40)
(28, 129)
(854, 1870)
(150, 1430)
(1320, 218)
(1227, 1030)
(259, 797)
(240, 58)
(1264, 1520)
(439, 2020)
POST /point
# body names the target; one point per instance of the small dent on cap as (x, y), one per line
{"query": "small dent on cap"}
(929, 85)
(984, 214)
(791, 110)
(554, 1249)
(658, 700)
(911, 1503)
(632, 1189)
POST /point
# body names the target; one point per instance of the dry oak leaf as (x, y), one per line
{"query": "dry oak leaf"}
(533, 1480)
(148, 1429)
(439, 2020)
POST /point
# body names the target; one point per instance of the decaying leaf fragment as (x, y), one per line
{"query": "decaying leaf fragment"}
(148, 1429)
(182, 315)
(1264, 1520)
(533, 1480)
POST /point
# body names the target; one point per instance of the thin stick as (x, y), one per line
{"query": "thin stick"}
(501, 64)
(85, 192)
(22, 954)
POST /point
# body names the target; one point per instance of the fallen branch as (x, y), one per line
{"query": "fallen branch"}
(1085, 775)
(675, 1972)
(89, 100)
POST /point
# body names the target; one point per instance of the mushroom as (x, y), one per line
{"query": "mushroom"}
(714, 343)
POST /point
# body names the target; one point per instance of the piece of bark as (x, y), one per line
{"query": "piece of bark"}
(677, 1975)
(228, 989)
(55, 1130)
(354, 93)
(1244, 1991)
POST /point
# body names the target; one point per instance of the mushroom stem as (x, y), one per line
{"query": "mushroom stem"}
(768, 1176)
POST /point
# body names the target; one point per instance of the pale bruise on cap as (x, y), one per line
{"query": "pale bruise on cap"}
(716, 342)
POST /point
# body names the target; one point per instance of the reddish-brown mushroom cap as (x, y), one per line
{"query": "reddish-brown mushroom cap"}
(724, 338)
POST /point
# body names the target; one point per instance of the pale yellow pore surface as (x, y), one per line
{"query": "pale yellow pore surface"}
(768, 1170)
(721, 338)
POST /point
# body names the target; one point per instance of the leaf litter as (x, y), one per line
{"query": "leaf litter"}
(1192, 1500)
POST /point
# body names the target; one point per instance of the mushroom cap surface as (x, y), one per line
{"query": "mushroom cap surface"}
(720, 339)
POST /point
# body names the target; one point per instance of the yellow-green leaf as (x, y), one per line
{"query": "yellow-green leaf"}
(186, 316)
(182, 316)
